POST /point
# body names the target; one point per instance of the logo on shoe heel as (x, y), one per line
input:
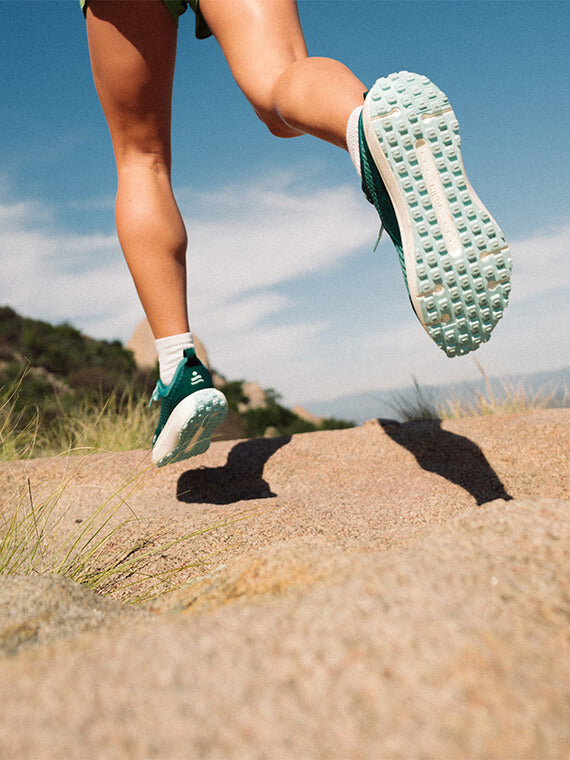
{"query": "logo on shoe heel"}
(196, 378)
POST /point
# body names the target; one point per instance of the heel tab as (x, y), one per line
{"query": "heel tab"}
(191, 357)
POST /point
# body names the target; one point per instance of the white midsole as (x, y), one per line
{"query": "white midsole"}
(180, 416)
(399, 203)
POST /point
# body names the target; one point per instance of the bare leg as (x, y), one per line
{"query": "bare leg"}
(132, 46)
(292, 93)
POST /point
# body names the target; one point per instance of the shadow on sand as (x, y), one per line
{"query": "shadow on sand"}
(450, 455)
(241, 478)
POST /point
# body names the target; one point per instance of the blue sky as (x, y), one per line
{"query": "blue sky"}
(284, 287)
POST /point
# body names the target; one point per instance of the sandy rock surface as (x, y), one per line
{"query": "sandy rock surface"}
(391, 591)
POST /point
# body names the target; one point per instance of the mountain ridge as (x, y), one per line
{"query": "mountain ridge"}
(383, 402)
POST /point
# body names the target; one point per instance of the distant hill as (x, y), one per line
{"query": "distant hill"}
(57, 367)
(384, 403)
(65, 353)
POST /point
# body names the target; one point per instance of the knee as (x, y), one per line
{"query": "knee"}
(274, 123)
(146, 155)
(141, 141)
(267, 106)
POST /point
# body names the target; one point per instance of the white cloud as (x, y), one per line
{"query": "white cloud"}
(255, 237)
(244, 312)
(274, 356)
(531, 337)
(52, 274)
(253, 249)
(541, 263)
(243, 242)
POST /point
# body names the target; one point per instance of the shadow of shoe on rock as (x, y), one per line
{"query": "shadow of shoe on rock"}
(240, 479)
(452, 456)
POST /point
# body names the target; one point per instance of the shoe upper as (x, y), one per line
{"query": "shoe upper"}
(190, 376)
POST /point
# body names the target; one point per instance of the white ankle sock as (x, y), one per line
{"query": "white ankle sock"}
(352, 138)
(170, 353)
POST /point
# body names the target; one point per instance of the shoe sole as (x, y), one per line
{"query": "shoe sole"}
(457, 261)
(188, 430)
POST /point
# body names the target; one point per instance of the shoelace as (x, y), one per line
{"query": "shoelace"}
(377, 243)
(370, 198)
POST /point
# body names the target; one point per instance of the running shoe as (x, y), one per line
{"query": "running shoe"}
(454, 257)
(190, 410)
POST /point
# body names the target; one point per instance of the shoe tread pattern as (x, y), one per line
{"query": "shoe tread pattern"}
(195, 434)
(461, 295)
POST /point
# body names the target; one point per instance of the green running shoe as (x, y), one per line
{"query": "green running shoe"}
(455, 259)
(190, 410)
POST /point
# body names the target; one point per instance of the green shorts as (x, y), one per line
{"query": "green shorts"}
(176, 8)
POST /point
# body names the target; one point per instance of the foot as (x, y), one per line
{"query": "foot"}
(190, 410)
(454, 257)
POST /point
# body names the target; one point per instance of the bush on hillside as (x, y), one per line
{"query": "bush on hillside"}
(50, 376)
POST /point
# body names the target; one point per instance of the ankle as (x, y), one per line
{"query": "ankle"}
(170, 354)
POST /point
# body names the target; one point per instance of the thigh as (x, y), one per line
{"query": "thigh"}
(259, 39)
(132, 46)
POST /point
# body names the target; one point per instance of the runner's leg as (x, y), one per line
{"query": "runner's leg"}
(132, 46)
(446, 241)
(293, 94)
